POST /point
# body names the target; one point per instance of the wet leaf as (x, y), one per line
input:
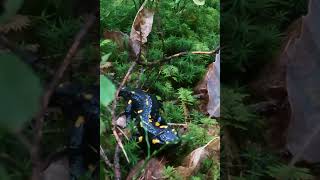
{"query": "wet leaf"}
(20, 92)
(107, 91)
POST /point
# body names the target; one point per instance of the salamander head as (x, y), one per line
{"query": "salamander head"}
(169, 136)
(125, 92)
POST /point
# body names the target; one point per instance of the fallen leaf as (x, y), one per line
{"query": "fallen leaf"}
(213, 86)
(122, 121)
(192, 162)
(117, 37)
(58, 170)
(141, 28)
(209, 89)
(153, 170)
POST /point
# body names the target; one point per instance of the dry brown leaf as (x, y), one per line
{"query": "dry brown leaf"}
(193, 161)
(16, 23)
(141, 28)
(213, 86)
(209, 89)
(57, 170)
(153, 170)
(122, 121)
(117, 37)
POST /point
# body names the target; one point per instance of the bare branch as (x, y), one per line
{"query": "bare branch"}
(166, 59)
(105, 158)
(35, 150)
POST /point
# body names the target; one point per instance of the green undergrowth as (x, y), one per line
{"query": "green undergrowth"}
(45, 38)
(252, 34)
(177, 27)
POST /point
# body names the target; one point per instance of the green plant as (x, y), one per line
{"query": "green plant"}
(171, 81)
(286, 172)
(171, 174)
(56, 36)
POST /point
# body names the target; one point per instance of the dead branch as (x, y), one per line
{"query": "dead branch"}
(114, 126)
(117, 171)
(166, 59)
(105, 158)
(35, 150)
(113, 110)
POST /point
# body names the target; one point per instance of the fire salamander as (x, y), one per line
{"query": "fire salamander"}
(145, 108)
(81, 105)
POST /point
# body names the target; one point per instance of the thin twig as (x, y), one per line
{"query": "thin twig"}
(23, 140)
(35, 151)
(123, 133)
(105, 158)
(117, 171)
(178, 124)
(213, 52)
(113, 110)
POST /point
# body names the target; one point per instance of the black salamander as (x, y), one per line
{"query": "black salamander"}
(145, 108)
(81, 105)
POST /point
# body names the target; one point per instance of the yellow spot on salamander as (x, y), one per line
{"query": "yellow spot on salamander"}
(133, 92)
(174, 131)
(140, 111)
(150, 120)
(130, 101)
(140, 138)
(79, 121)
(91, 167)
(149, 116)
(141, 125)
(147, 102)
(88, 96)
(157, 124)
(163, 127)
(155, 141)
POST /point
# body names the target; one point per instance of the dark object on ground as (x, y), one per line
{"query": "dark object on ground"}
(81, 105)
(145, 108)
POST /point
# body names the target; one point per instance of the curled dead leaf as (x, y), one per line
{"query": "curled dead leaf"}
(153, 170)
(117, 37)
(141, 29)
(209, 89)
(192, 162)
(122, 121)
